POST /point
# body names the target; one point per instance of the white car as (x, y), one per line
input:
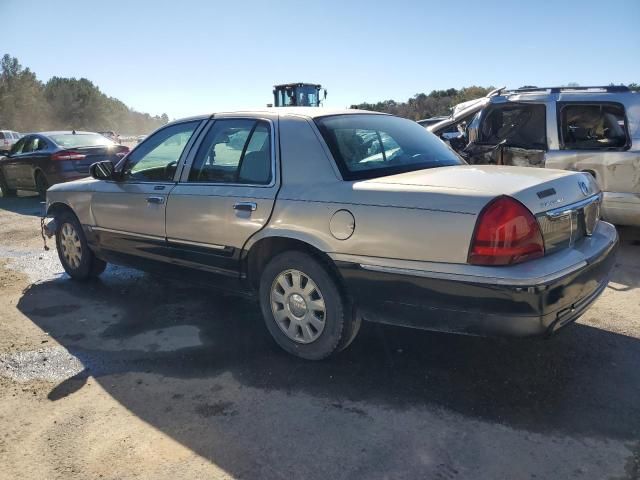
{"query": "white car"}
(7, 139)
(329, 217)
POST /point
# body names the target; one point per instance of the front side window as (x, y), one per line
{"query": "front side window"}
(368, 146)
(18, 146)
(593, 126)
(234, 151)
(156, 158)
(517, 125)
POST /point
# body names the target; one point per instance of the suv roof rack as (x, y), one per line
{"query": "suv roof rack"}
(608, 89)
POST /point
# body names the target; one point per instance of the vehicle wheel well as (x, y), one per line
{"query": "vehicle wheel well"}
(267, 248)
(58, 208)
(590, 172)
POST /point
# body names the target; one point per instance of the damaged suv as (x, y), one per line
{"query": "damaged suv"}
(589, 129)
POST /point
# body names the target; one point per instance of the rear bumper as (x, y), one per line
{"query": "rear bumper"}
(436, 302)
(621, 208)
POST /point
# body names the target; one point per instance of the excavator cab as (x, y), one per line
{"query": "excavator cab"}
(298, 95)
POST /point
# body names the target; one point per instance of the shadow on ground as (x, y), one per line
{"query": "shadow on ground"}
(585, 381)
(23, 204)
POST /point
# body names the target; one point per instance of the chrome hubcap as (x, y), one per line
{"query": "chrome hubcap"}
(71, 246)
(298, 306)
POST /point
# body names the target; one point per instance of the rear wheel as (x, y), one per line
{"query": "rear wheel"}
(76, 257)
(303, 307)
(4, 186)
(41, 185)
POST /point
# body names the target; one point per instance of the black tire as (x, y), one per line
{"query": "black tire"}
(88, 266)
(340, 323)
(42, 185)
(6, 191)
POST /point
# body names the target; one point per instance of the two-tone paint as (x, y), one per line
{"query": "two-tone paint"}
(400, 249)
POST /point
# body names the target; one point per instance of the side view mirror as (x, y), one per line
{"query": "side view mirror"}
(102, 170)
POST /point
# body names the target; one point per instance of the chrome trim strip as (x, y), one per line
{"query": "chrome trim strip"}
(529, 282)
(128, 234)
(568, 209)
(196, 244)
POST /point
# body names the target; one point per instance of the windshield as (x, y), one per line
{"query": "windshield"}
(74, 140)
(367, 146)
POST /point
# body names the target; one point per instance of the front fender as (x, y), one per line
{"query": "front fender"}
(78, 202)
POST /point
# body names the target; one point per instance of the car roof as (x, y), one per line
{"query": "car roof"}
(62, 132)
(308, 112)
(564, 94)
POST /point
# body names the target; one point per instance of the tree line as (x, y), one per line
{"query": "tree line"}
(438, 102)
(421, 105)
(29, 105)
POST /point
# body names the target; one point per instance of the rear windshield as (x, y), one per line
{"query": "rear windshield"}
(74, 140)
(368, 146)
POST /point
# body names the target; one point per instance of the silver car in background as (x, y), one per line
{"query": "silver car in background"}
(329, 217)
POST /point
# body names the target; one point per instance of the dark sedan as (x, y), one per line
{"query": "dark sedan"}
(39, 160)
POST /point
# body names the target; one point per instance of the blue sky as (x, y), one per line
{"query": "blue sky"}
(188, 57)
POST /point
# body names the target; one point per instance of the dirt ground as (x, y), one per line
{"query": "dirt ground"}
(133, 376)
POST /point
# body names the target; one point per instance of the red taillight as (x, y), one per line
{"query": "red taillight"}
(68, 155)
(506, 233)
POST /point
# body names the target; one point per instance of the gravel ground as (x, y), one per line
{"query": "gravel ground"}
(133, 376)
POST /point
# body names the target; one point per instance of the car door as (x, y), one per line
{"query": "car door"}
(25, 162)
(593, 137)
(129, 214)
(11, 164)
(225, 195)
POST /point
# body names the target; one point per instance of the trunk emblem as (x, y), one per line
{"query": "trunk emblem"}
(584, 188)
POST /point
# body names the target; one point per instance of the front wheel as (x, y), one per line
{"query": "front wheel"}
(74, 253)
(304, 308)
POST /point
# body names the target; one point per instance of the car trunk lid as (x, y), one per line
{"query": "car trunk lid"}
(565, 204)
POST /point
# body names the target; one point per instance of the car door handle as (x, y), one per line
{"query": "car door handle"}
(155, 200)
(245, 206)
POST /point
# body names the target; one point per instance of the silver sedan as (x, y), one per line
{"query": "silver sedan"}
(334, 216)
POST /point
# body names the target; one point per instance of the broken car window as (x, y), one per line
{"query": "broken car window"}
(593, 126)
(517, 125)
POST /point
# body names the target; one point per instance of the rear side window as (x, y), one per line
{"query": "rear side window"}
(234, 151)
(593, 126)
(369, 146)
